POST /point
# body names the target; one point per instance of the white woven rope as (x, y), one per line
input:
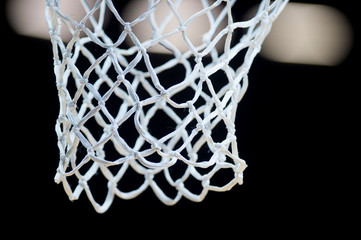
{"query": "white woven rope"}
(92, 140)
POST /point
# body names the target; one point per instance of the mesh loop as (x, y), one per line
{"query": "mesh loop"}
(126, 114)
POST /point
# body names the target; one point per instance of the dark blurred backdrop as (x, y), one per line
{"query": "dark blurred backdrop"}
(296, 128)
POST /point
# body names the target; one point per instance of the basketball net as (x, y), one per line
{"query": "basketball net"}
(130, 119)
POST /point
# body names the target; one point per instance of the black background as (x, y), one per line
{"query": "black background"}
(296, 129)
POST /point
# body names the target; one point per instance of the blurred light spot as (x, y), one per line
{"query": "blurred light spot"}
(194, 31)
(27, 17)
(309, 34)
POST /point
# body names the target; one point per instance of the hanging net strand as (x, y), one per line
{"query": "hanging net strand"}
(130, 119)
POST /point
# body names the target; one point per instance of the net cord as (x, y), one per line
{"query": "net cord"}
(86, 103)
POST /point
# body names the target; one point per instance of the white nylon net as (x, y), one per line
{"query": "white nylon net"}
(130, 119)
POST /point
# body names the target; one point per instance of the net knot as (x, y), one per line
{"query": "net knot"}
(240, 168)
(230, 28)
(220, 110)
(206, 182)
(179, 184)
(149, 177)
(60, 85)
(127, 27)
(83, 80)
(101, 102)
(182, 28)
(71, 105)
(63, 158)
(198, 58)
(67, 54)
(218, 146)
(62, 118)
(225, 62)
(61, 138)
(264, 16)
(52, 3)
(80, 26)
(112, 184)
(90, 151)
(53, 33)
(200, 126)
(190, 106)
(164, 93)
(83, 183)
(155, 147)
(193, 156)
(109, 48)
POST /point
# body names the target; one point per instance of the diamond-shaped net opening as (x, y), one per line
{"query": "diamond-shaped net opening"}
(131, 119)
